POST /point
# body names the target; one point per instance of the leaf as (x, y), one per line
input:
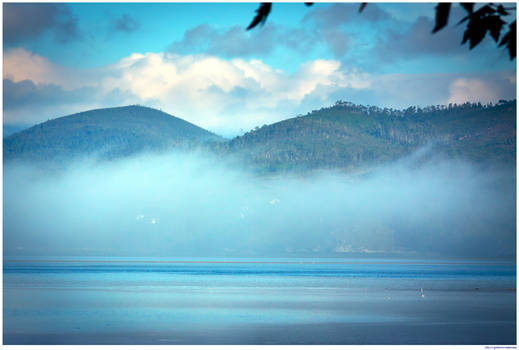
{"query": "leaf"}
(512, 43)
(502, 10)
(494, 25)
(464, 19)
(262, 14)
(507, 36)
(465, 37)
(484, 11)
(510, 40)
(362, 6)
(475, 32)
(480, 22)
(468, 6)
(476, 36)
(442, 15)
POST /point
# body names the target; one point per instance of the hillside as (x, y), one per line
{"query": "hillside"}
(108, 133)
(348, 136)
(345, 136)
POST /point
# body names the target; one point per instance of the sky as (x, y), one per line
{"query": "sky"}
(197, 62)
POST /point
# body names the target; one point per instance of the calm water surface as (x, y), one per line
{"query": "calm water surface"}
(257, 301)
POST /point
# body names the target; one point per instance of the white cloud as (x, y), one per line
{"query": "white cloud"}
(215, 93)
(20, 64)
(484, 90)
(166, 75)
(226, 95)
(462, 90)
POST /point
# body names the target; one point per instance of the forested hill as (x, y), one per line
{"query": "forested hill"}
(348, 136)
(344, 136)
(108, 133)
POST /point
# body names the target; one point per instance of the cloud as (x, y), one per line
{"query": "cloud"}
(225, 95)
(26, 92)
(237, 42)
(384, 35)
(28, 21)
(404, 90)
(28, 103)
(404, 42)
(193, 85)
(338, 15)
(470, 89)
(370, 39)
(20, 64)
(419, 40)
(337, 25)
(125, 23)
(36, 89)
(207, 90)
(484, 90)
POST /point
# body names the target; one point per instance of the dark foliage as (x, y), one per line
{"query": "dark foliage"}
(442, 15)
(510, 40)
(261, 15)
(487, 19)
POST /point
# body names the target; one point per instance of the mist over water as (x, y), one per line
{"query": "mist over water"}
(194, 205)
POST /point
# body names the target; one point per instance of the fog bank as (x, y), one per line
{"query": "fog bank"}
(193, 205)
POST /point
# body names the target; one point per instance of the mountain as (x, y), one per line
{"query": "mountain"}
(108, 133)
(351, 136)
(345, 136)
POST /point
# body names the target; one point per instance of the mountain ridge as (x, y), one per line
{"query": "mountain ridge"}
(347, 135)
(344, 135)
(110, 132)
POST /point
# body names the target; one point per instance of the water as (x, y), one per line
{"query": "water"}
(257, 301)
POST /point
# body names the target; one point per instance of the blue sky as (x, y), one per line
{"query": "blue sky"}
(197, 62)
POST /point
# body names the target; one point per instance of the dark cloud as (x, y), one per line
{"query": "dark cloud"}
(26, 21)
(419, 40)
(321, 25)
(125, 23)
(231, 42)
(237, 42)
(26, 93)
(342, 14)
(27, 103)
(300, 40)
(335, 25)
(375, 36)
